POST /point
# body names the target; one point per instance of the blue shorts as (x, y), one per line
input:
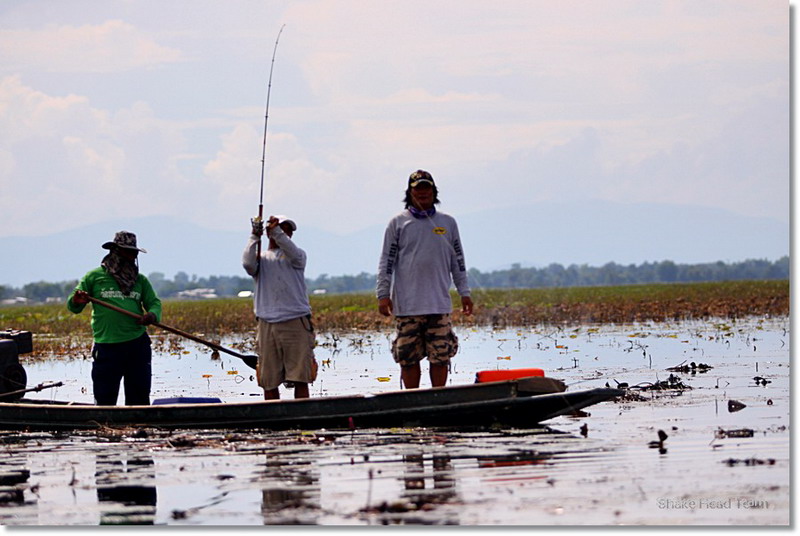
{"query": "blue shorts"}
(129, 361)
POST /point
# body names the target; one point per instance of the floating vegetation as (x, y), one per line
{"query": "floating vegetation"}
(691, 368)
(730, 462)
(630, 303)
(736, 433)
(672, 383)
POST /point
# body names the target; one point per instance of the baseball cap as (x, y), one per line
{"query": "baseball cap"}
(418, 177)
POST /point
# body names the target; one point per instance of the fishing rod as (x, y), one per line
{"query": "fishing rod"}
(264, 146)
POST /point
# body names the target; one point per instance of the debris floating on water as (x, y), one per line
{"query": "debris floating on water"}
(662, 436)
(691, 368)
(735, 405)
(671, 383)
(748, 461)
(740, 432)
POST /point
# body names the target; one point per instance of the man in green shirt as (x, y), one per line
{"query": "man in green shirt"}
(121, 345)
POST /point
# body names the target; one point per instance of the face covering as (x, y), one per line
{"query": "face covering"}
(122, 270)
(417, 213)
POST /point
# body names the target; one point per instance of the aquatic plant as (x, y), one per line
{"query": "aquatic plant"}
(58, 331)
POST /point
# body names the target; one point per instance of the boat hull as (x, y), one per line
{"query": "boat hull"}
(476, 405)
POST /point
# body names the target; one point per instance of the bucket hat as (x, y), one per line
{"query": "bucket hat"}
(124, 239)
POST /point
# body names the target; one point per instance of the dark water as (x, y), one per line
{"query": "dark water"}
(716, 466)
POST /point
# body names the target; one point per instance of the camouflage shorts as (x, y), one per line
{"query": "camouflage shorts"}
(423, 336)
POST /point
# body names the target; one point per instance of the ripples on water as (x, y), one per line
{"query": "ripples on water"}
(595, 470)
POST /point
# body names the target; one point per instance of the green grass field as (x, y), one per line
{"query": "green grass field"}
(56, 329)
(359, 311)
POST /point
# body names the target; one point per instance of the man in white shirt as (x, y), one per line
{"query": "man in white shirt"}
(285, 336)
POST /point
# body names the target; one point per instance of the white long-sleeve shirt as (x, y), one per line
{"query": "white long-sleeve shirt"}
(419, 260)
(281, 292)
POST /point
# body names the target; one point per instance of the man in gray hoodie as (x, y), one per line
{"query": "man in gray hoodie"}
(422, 255)
(285, 336)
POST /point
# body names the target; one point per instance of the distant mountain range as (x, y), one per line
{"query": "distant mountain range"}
(591, 233)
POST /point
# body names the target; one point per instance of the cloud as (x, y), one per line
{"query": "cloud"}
(622, 100)
(76, 163)
(110, 47)
(26, 112)
(292, 181)
(235, 160)
(670, 93)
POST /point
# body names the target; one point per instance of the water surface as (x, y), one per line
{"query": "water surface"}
(716, 466)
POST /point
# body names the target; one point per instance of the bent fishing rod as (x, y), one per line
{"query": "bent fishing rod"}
(260, 217)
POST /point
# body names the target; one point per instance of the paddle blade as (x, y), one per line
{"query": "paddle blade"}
(250, 360)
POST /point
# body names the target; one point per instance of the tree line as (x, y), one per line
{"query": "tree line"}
(554, 275)
(611, 273)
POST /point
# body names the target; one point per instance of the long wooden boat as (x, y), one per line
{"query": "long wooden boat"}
(514, 403)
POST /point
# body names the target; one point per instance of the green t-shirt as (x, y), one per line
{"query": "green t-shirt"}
(112, 326)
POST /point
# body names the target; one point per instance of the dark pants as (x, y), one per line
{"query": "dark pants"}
(113, 362)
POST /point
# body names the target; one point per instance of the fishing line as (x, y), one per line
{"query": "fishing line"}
(264, 146)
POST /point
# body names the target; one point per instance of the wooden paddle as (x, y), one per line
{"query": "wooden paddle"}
(249, 360)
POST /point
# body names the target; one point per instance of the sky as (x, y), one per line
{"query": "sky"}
(122, 108)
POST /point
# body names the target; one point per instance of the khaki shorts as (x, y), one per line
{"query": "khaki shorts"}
(285, 352)
(423, 336)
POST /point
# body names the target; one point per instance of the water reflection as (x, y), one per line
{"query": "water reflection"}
(428, 485)
(13, 482)
(513, 460)
(126, 501)
(518, 466)
(443, 486)
(290, 494)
